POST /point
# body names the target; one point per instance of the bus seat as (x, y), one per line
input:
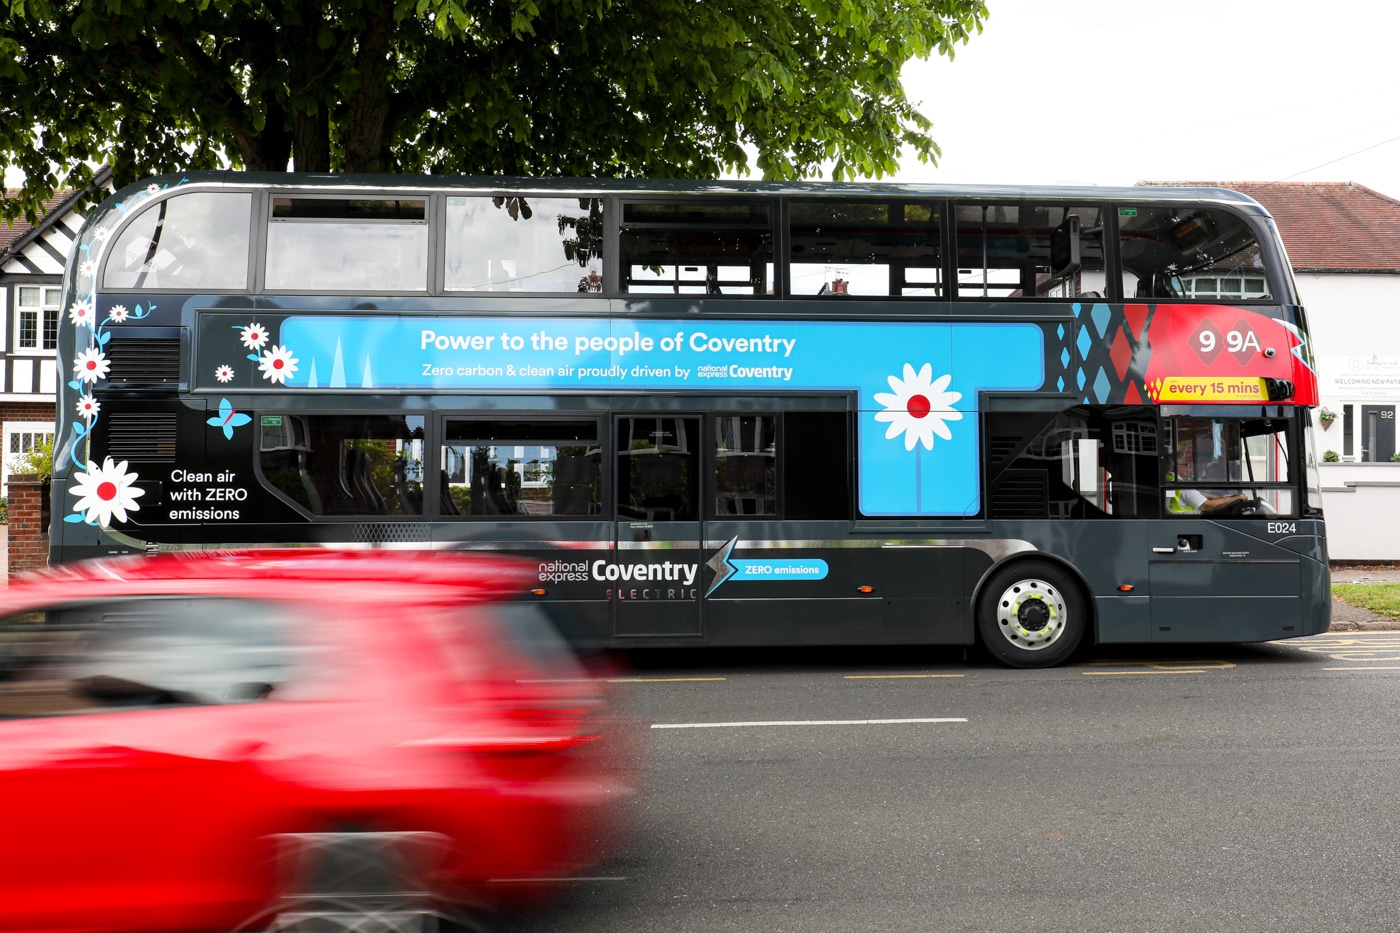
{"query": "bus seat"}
(447, 505)
(412, 504)
(361, 485)
(308, 484)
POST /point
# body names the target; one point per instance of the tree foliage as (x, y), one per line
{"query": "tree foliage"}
(663, 88)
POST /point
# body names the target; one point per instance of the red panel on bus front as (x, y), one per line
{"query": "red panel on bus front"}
(1216, 354)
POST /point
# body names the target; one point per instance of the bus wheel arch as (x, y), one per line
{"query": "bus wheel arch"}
(1032, 610)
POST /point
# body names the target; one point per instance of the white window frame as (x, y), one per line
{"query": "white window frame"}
(12, 429)
(43, 308)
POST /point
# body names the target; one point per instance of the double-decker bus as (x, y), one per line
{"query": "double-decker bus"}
(719, 413)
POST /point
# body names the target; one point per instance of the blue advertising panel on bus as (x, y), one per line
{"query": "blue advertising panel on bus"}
(917, 383)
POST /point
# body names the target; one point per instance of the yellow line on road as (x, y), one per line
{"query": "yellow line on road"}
(661, 680)
(900, 676)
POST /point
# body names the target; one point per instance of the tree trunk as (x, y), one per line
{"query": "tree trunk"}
(367, 108)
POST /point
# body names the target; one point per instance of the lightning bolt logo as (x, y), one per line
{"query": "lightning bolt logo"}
(1302, 351)
(721, 566)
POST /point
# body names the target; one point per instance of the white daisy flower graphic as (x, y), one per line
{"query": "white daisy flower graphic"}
(254, 336)
(86, 268)
(88, 407)
(919, 407)
(100, 234)
(117, 314)
(224, 373)
(91, 365)
(81, 313)
(105, 492)
(153, 189)
(278, 364)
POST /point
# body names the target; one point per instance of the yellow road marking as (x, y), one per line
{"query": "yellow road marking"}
(1363, 646)
(1158, 667)
(899, 676)
(661, 680)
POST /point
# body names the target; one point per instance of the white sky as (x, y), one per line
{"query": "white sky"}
(1112, 92)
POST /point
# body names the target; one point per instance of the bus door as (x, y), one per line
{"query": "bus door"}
(655, 577)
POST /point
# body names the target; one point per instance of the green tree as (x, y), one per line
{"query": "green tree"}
(662, 88)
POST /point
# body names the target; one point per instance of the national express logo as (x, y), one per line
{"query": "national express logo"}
(644, 577)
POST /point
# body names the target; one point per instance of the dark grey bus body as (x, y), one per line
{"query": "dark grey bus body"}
(711, 513)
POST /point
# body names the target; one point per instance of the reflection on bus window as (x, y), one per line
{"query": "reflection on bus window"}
(1177, 252)
(697, 248)
(524, 244)
(877, 248)
(1227, 466)
(1035, 250)
(338, 244)
(657, 469)
(521, 468)
(363, 465)
(746, 466)
(193, 240)
(1080, 463)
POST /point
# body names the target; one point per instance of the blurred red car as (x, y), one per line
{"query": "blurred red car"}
(235, 740)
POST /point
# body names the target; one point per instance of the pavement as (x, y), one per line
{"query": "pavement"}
(1348, 618)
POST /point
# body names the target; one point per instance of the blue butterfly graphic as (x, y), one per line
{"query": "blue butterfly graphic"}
(228, 419)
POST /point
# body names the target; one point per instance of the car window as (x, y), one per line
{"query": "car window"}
(142, 653)
(528, 631)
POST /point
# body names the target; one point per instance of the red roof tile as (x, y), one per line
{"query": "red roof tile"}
(9, 234)
(1330, 226)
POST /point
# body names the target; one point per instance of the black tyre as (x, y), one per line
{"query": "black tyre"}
(1031, 614)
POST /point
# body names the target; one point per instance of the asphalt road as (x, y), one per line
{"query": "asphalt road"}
(1212, 788)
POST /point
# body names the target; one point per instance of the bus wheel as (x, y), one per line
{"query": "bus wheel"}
(1031, 614)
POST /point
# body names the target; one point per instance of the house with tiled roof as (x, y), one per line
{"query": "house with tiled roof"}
(32, 257)
(1343, 242)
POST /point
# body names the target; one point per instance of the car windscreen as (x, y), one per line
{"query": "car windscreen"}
(142, 652)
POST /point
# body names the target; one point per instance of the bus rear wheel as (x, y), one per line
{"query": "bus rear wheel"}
(1031, 614)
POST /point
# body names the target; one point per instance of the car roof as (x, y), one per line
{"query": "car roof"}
(470, 577)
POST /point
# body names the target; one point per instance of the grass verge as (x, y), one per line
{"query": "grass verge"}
(1383, 598)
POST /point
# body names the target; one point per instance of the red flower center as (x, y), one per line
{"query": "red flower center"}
(92, 364)
(277, 364)
(919, 406)
(107, 491)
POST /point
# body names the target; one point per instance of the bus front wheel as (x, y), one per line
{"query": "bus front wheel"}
(1031, 614)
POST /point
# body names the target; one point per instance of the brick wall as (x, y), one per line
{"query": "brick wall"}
(29, 523)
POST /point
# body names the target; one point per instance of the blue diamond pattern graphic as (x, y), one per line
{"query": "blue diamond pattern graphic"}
(1064, 357)
(1079, 374)
(1077, 308)
(1084, 342)
(1101, 316)
(1060, 383)
(1061, 331)
(1101, 386)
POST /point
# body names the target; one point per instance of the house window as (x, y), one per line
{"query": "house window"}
(38, 317)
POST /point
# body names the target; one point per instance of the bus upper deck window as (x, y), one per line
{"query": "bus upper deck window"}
(524, 243)
(191, 240)
(874, 248)
(1036, 250)
(697, 247)
(340, 244)
(1180, 252)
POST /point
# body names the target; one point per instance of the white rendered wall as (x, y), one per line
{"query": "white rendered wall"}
(1355, 326)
